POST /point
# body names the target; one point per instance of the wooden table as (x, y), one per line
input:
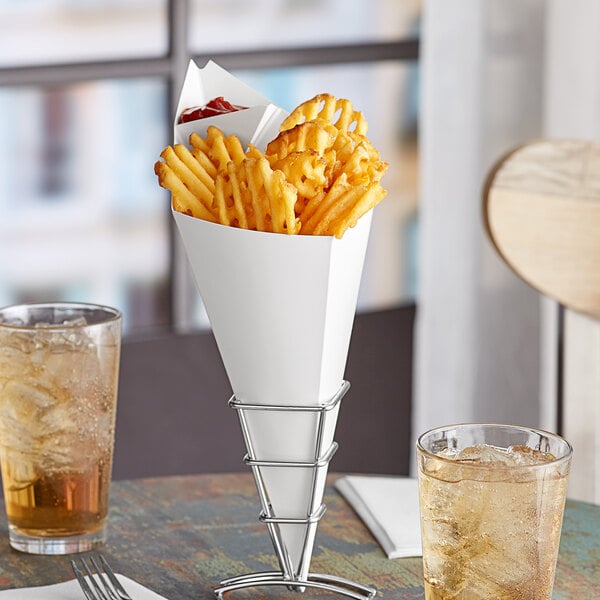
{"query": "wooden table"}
(181, 535)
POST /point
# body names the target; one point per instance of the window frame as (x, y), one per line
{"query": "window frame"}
(172, 68)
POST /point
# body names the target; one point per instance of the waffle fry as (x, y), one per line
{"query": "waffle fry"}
(190, 194)
(218, 148)
(305, 154)
(250, 195)
(231, 193)
(344, 149)
(317, 177)
(304, 136)
(346, 212)
(273, 198)
(306, 172)
(325, 108)
(361, 163)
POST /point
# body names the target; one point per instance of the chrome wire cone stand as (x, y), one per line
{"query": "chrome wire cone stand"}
(295, 579)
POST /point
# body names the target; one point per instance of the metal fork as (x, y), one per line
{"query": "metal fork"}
(97, 579)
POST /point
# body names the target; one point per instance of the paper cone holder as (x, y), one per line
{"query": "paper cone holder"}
(295, 579)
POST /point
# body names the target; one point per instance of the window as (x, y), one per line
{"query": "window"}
(86, 97)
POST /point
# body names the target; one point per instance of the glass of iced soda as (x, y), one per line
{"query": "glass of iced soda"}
(492, 499)
(59, 365)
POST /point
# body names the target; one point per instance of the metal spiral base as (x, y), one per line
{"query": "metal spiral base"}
(330, 583)
(299, 579)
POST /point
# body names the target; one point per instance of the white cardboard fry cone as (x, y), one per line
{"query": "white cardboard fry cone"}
(281, 308)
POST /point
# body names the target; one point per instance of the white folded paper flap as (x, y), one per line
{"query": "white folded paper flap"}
(281, 306)
(257, 124)
(204, 84)
(268, 128)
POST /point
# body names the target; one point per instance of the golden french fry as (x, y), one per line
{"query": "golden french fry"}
(306, 172)
(340, 214)
(304, 153)
(318, 176)
(253, 196)
(259, 200)
(235, 149)
(183, 199)
(317, 207)
(354, 139)
(232, 197)
(360, 167)
(188, 159)
(218, 148)
(240, 193)
(223, 151)
(338, 226)
(205, 163)
(328, 109)
(253, 152)
(192, 177)
(272, 197)
(222, 202)
(304, 136)
(198, 142)
(186, 175)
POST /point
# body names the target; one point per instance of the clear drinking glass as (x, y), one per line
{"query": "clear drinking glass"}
(492, 499)
(59, 365)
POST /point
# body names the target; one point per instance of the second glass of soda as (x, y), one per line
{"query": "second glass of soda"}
(492, 500)
(59, 365)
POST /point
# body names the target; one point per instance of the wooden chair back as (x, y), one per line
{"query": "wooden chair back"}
(542, 212)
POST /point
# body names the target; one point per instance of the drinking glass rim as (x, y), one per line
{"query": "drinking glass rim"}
(567, 455)
(113, 314)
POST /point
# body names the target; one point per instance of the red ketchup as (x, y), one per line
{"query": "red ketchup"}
(217, 106)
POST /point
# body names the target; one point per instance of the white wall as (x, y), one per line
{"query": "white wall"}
(572, 110)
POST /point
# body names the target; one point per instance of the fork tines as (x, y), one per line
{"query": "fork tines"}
(97, 580)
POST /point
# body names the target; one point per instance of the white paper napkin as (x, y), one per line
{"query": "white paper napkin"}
(389, 507)
(70, 590)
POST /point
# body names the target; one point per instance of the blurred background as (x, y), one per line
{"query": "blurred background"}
(86, 105)
(87, 94)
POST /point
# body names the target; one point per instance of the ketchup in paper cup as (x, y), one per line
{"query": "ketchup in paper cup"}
(216, 106)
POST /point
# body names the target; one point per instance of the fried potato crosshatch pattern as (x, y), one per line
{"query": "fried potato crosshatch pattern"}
(317, 177)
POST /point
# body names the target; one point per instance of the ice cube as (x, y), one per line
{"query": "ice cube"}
(13, 362)
(449, 453)
(486, 454)
(24, 398)
(76, 322)
(524, 455)
(23, 473)
(502, 568)
(21, 405)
